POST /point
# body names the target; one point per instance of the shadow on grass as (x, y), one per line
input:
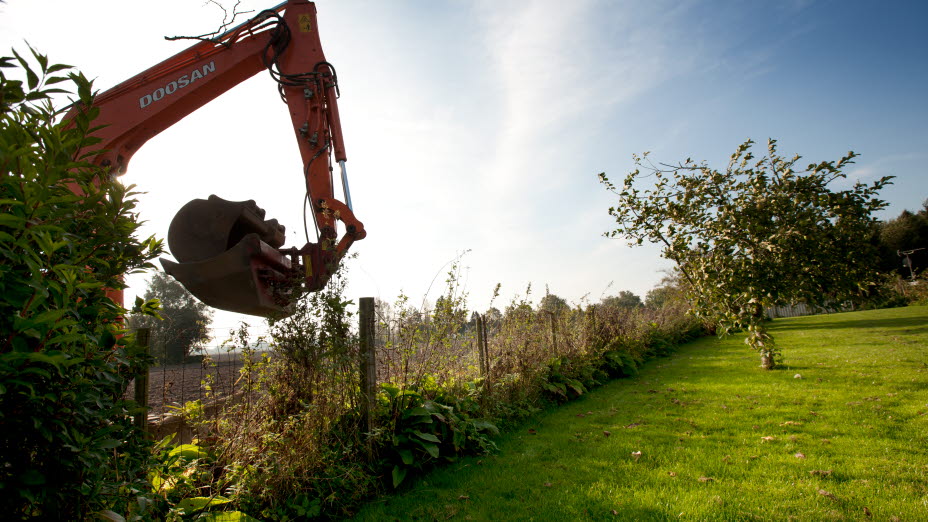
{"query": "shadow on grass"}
(912, 325)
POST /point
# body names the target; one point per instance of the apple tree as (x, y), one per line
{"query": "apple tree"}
(762, 232)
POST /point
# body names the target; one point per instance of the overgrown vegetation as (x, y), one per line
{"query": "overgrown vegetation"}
(903, 243)
(292, 444)
(68, 449)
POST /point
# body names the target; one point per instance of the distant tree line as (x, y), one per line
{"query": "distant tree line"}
(903, 243)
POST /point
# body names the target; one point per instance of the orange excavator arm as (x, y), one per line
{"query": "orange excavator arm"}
(228, 255)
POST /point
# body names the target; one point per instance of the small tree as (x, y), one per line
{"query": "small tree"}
(906, 233)
(625, 299)
(553, 304)
(184, 327)
(758, 234)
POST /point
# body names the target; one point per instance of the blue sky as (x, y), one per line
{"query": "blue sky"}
(482, 125)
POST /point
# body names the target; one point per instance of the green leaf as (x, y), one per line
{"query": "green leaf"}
(398, 475)
(49, 316)
(42, 59)
(431, 449)
(188, 452)
(227, 516)
(406, 456)
(484, 425)
(426, 436)
(191, 504)
(111, 515)
(58, 67)
(417, 412)
(110, 444)
(9, 220)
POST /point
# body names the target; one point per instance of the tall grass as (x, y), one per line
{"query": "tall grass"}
(291, 445)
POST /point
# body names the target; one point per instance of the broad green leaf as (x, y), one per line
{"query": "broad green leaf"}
(192, 504)
(227, 516)
(406, 456)
(188, 452)
(420, 411)
(111, 515)
(399, 473)
(426, 436)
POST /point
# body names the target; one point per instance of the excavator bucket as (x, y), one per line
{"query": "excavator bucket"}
(227, 256)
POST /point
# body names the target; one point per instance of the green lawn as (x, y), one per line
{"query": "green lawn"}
(719, 438)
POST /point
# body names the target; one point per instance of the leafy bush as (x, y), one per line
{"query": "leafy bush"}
(67, 444)
(417, 433)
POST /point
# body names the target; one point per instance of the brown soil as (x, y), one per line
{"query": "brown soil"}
(177, 384)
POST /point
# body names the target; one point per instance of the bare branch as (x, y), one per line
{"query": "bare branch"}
(226, 22)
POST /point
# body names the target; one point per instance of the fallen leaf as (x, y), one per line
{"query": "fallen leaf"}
(824, 493)
(547, 484)
(652, 391)
(636, 455)
(820, 472)
(479, 462)
(614, 513)
(463, 497)
(791, 423)
(606, 433)
(633, 425)
(867, 512)
(726, 458)
(672, 473)
(797, 376)
(752, 457)
(768, 439)
(754, 427)
(800, 455)
(581, 415)
(532, 431)
(706, 479)
(589, 413)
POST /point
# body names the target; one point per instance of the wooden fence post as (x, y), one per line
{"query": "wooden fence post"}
(142, 337)
(481, 351)
(368, 366)
(553, 331)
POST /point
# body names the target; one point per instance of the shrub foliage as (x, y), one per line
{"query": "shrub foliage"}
(67, 235)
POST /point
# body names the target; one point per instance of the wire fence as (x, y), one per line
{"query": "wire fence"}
(801, 309)
(408, 350)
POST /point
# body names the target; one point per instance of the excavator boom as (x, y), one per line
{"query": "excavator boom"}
(227, 254)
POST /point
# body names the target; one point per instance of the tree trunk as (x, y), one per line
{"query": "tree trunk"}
(767, 362)
(761, 340)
